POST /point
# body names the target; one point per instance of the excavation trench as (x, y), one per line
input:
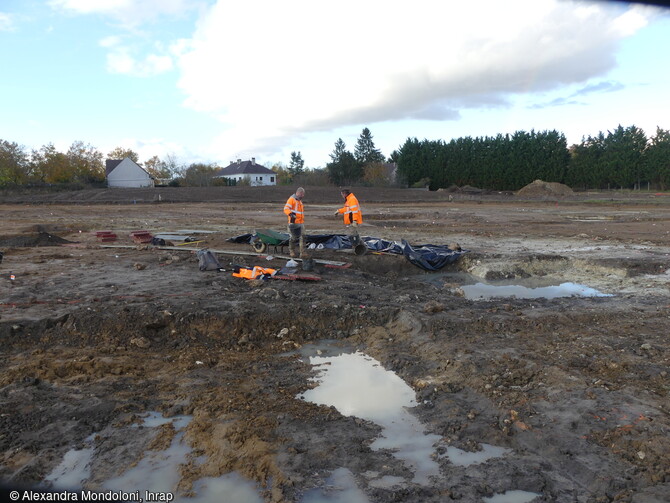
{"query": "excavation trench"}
(549, 396)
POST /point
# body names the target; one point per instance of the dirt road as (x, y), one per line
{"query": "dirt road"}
(575, 388)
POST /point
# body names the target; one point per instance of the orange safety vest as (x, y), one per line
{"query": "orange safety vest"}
(294, 205)
(351, 211)
(255, 273)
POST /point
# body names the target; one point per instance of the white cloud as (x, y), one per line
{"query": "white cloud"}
(271, 71)
(120, 60)
(6, 22)
(633, 19)
(129, 12)
(111, 41)
(149, 147)
(130, 15)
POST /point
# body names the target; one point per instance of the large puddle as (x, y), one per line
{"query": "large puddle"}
(357, 385)
(354, 383)
(472, 287)
(488, 291)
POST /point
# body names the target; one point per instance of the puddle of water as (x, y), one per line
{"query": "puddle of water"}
(74, 469)
(324, 347)
(157, 471)
(153, 419)
(235, 488)
(512, 497)
(460, 457)
(484, 291)
(521, 288)
(341, 488)
(358, 385)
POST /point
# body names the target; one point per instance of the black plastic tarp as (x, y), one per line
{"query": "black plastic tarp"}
(428, 256)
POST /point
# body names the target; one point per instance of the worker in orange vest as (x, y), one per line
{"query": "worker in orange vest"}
(352, 214)
(257, 272)
(296, 219)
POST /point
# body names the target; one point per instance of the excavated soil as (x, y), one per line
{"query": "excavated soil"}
(95, 335)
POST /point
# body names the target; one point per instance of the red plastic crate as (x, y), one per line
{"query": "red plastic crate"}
(141, 236)
(105, 236)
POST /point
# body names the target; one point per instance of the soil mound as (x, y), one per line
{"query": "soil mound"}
(541, 188)
(465, 189)
(39, 239)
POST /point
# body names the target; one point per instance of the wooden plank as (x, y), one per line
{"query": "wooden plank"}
(295, 277)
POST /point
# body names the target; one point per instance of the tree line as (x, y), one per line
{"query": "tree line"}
(622, 158)
(82, 165)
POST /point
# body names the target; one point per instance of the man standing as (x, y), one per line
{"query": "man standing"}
(296, 219)
(352, 214)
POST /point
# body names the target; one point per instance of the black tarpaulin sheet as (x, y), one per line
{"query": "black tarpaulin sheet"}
(427, 256)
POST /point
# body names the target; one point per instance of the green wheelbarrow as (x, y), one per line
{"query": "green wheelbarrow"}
(263, 238)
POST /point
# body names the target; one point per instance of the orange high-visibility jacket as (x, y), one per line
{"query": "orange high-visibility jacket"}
(254, 273)
(351, 211)
(294, 205)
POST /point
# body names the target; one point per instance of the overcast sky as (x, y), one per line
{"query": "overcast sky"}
(217, 80)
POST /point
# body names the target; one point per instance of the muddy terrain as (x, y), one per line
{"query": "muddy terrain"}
(98, 339)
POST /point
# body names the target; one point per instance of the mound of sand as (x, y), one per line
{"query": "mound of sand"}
(540, 188)
(465, 189)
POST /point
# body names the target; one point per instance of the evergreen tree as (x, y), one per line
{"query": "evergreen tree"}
(586, 168)
(340, 149)
(343, 169)
(657, 158)
(365, 151)
(297, 165)
(410, 162)
(624, 150)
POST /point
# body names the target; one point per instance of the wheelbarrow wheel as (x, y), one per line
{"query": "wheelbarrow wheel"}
(259, 246)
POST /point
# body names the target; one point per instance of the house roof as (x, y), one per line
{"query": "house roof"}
(111, 164)
(244, 168)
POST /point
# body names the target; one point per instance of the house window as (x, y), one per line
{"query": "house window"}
(272, 179)
(261, 178)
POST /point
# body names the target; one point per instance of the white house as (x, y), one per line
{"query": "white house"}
(126, 173)
(257, 174)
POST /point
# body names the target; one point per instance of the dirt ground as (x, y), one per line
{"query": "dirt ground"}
(93, 335)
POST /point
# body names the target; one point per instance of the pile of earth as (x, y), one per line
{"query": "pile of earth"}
(541, 188)
(465, 189)
(30, 240)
